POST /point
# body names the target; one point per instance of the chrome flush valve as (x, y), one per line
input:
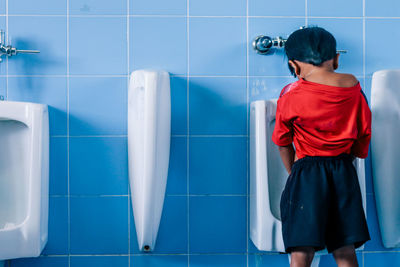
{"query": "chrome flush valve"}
(263, 44)
(9, 51)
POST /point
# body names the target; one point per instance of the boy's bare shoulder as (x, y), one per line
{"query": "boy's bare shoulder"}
(346, 80)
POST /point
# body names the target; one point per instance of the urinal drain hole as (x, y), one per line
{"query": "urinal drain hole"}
(146, 248)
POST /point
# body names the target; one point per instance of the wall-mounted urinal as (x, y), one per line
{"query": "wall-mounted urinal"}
(24, 179)
(385, 152)
(149, 132)
(268, 177)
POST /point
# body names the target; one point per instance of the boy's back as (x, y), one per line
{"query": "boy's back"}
(323, 118)
(335, 79)
(326, 116)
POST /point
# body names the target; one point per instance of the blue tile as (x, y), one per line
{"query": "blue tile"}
(251, 247)
(217, 8)
(57, 243)
(172, 234)
(96, 7)
(32, 32)
(146, 49)
(3, 7)
(261, 88)
(381, 55)
(40, 262)
(217, 105)
(177, 177)
(329, 261)
(218, 260)
(178, 105)
(2, 27)
(99, 261)
(98, 106)
(97, 45)
(275, 63)
(98, 166)
(276, 8)
(349, 36)
(158, 7)
(213, 231)
(99, 225)
(165, 261)
(375, 244)
(381, 259)
(276, 260)
(217, 46)
(383, 8)
(218, 165)
(3, 69)
(338, 8)
(46, 90)
(58, 166)
(37, 7)
(3, 87)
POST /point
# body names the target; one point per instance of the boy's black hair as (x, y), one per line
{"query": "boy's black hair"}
(313, 45)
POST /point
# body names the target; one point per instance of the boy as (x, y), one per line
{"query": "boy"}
(326, 116)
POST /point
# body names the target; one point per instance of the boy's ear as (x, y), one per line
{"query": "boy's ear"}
(295, 66)
(336, 61)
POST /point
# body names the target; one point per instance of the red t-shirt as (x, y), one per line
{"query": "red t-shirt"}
(323, 120)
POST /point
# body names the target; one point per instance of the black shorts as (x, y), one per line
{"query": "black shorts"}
(321, 205)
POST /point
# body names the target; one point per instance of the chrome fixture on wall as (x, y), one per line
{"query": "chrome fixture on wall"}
(264, 44)
(9, 51)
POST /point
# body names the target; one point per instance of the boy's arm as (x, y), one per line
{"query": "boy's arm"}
(287, 155)
(360, 146)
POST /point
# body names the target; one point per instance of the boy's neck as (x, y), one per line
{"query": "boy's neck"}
(308, 70)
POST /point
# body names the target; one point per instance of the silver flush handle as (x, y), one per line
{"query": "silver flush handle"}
(9, 51)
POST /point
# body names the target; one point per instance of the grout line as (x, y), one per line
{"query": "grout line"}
(91, 196)
(217, 195)
(194, 16)
(306, 12)
(124, 76)
(7, 42)
(327, 17)
(217, 76)
(247, 132)
(173, 135)
(127, 92)
(364, 46)
(68, 139)
(364, 86)
(64, 76)
(188, 127)
(96, 136)
(148, 255)
(222, 135)
(6, 97)
(128, 195)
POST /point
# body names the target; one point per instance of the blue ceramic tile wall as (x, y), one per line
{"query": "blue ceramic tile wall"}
(89, 47)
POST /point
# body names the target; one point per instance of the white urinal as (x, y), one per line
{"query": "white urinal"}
(268, 178)
(24, 179)
(385, 152)
(149, 132)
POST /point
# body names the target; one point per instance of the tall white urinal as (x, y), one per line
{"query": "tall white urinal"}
(385, 152)
(149, 132)
(24, 179)
(268, 178)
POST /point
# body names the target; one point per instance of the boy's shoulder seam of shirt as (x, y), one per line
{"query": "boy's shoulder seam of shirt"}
(289, 88)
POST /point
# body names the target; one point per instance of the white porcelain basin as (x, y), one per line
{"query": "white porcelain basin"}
(24, 179)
